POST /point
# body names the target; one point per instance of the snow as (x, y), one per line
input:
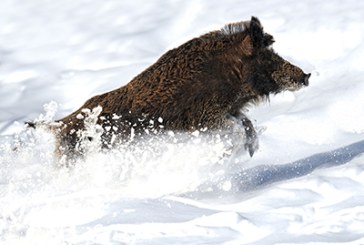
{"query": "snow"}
(304, 185)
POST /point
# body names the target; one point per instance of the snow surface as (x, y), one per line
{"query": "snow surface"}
(304, 185)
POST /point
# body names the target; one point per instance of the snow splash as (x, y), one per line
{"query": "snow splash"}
(174, 163)
(36, 189)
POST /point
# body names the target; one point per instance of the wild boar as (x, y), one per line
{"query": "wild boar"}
(203, 84)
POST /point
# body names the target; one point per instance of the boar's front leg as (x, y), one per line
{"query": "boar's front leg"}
(251, 138)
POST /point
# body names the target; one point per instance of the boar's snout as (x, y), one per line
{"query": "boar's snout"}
(290, 77)
(305, 79)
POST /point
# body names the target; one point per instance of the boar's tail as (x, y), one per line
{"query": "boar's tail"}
(30, 124)
(45, 125)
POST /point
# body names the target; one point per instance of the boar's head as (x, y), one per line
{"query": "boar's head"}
(270, 73)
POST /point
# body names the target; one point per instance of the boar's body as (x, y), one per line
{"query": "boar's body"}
(204, 83)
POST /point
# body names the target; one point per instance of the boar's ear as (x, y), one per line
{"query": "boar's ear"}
(256, 32)
(260, 39)
(268, 40)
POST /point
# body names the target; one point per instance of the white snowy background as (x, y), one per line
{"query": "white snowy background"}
(69, 50)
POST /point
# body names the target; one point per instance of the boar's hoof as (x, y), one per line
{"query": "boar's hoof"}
(251, 139)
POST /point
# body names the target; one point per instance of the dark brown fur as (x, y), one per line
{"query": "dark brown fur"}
(204, 83)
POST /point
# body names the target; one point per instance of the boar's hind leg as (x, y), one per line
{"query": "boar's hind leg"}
(251, 138)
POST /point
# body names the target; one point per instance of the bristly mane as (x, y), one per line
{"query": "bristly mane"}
(234, 28)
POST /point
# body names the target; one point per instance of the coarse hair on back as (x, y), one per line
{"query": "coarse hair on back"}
(234, 28)
(233, 34)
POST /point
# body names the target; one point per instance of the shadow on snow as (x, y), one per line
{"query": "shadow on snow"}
(262, 175)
